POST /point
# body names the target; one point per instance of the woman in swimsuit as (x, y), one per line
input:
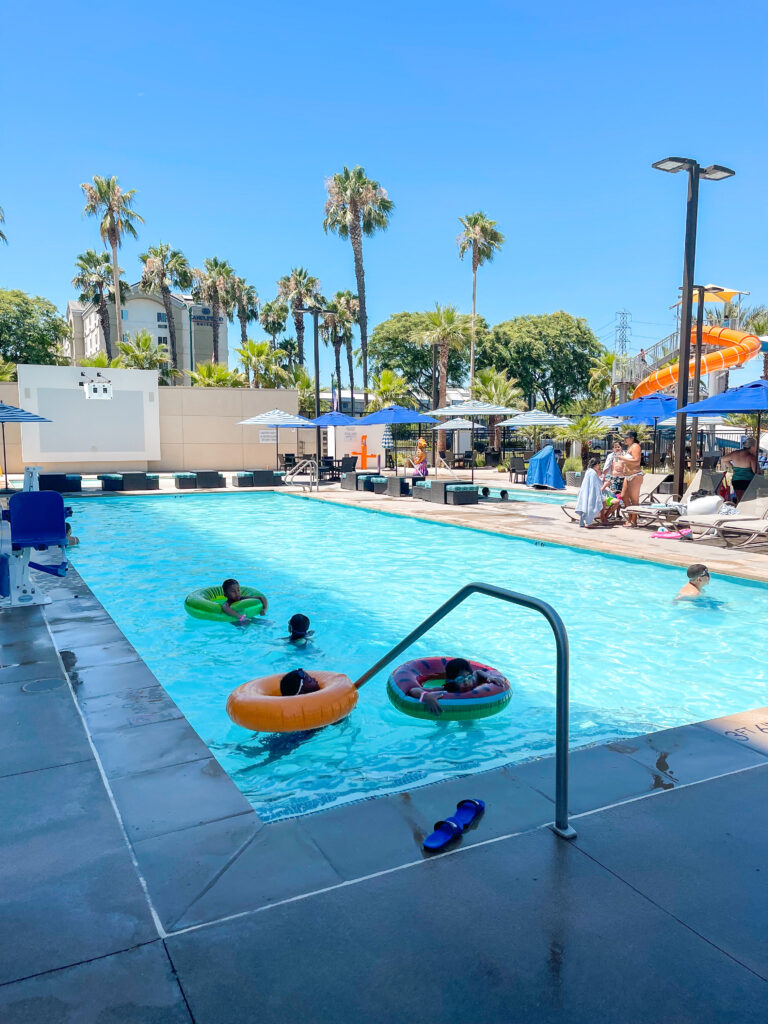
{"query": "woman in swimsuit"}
(744, 466)
(633, 475)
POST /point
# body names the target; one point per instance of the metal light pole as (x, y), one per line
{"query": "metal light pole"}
(701, 291)
(316, 312)
(674, 164)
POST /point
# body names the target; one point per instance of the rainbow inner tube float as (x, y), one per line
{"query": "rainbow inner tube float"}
(457, 707)
(206, 604)
(260, 707)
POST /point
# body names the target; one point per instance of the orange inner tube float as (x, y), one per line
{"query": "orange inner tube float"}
(258, 705)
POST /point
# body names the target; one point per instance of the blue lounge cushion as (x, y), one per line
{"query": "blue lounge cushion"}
(461, 487)
(183, 476)
(378, 479)
(422, 483)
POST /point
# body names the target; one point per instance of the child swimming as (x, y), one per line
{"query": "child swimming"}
(459, 678)
(232, 594)
(698, 578)
(298, 628)
(298, 682)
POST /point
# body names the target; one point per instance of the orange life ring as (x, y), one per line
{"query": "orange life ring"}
(258, 705)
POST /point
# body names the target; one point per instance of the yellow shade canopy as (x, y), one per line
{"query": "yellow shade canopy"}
(717, 294)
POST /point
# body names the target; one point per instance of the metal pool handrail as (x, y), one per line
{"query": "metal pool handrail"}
(560, 826)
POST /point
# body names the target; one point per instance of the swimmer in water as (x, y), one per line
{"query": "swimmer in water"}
(698, 578)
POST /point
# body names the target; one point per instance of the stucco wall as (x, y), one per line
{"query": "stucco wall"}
(198, 430)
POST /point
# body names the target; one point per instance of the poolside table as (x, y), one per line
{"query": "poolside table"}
(398, 487)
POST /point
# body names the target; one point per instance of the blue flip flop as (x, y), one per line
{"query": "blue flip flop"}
(445, 832)
(467, 811)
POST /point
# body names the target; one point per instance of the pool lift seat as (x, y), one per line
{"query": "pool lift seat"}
(33, 521)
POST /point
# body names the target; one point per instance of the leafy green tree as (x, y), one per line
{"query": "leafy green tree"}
(166, 268)
(101, 361)
(301, 290)
(299, 380)
(104, 198)
(31, 329)
(389, 389)
(357, 206)
(264, 362)
(95, 282)
(213, 286)
(246, 305)
(496, 388)
(141, 352)
(550, 355)
(391, 347)
(446, 330)
(336, 329)
(273, 318)
(2, 221)
(585, 430)
(214, 375)
(482, 238)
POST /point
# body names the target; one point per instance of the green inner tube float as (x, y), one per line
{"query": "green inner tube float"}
(429, 673)
(206, 604)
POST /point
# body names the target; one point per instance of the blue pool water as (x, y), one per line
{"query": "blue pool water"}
(639, 662)
(529, 494)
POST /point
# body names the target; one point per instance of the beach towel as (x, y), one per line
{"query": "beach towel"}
(590, 501)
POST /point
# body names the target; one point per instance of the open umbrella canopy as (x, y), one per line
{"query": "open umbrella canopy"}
(473, 409)
(276, 418)
(704, 421)
(395, 414)
(747, 398)
(457, 424)
(648, 409)
(10, 414)
(334, 419)
(536, 418)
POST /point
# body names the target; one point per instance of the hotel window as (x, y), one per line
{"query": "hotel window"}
(162, 339)
(162, 318)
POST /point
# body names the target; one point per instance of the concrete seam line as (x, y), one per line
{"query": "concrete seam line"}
(78, 963)
(105, 781)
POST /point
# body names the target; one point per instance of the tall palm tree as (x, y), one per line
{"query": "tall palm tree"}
(300, 289)
(446, 330)
(259, 358)
(585, 430)
(214, 375)
(601, 376)
(357, 206)
(2, 221)
(273, 318)
(336, 329)
(481, 236)
(104, 198)
(213, 286)
(94, 280)
(101, 362)
(496, 388)
(390, 389)
(290, 351)
(246, 305)
(299, 380)
(141, 352)
(166, 268)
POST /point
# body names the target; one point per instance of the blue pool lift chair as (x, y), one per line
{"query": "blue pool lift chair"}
(33, 521)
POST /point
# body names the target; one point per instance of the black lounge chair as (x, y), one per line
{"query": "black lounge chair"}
(209, 478)
(64, 483)
(461, 494)
(398, 487)
(436, 491)
(185, 481)
(130, 481)
(266, 477)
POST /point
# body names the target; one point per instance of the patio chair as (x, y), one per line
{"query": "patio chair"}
(517, 470)
(348, 463)
(651, 513)
(649, 486)
(740, 529)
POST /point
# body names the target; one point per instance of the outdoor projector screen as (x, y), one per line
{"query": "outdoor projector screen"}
(124, 428)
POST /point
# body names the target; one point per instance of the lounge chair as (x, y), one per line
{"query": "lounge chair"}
(129, 481)
(64, 483)
(462, 494)
(649, 486)
(436, 491)
(745, 527)
(398, 487)
(652, 513)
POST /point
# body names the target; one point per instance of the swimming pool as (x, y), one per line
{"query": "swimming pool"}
(528, 494)
(638, 662)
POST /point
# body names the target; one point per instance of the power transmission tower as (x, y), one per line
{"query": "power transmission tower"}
(623, 331)
(622, 367)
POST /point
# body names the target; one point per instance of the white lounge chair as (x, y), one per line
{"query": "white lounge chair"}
(663, 513)
(742, 529)
(648, 487)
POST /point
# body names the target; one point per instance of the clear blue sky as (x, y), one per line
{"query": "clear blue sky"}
(228, 118)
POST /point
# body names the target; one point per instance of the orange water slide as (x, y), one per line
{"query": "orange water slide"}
(737, 348)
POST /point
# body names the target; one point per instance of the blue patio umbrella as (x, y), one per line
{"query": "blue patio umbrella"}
(334, 419)
(649, 410)
(10, 414)
(752, 397)
(396, 414)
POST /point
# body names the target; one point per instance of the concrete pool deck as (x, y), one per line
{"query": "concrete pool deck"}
(138, 885)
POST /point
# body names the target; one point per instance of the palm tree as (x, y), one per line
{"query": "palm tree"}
(446, 330)
(104, 198)
(212, 286)
(496, 388)
(336, 329)
(94, 280)
(259, 358)
(273, 317)
(290, 351)
(390, 389)
(481, 236)
(299, 380)
(7, 371)
(142, 352)
(584, 430)
(166, 268)
(214, 375)
(2, 221)
(246, 305)
(601, 376)
(756, 321)
(357, 206)
(301, 290)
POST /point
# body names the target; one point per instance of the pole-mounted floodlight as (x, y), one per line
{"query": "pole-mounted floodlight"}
(715, 172)
(315, 312)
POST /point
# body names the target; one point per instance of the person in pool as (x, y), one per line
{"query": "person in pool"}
(298, 682)
(698, 578)
(298, 628)
(460, 677)
(232, 594)
(71, 539)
